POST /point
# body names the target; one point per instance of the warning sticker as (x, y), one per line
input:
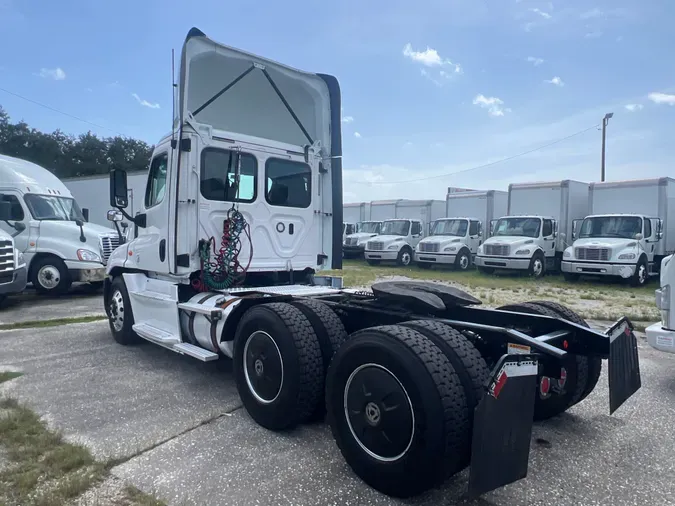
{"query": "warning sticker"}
(518, 349)
(664, 341)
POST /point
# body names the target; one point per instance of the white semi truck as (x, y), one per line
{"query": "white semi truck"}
(455, 240)
(13, 270)
(244, 211)
(59, 245)
(661, 335)
(534, 234)
(629, 230)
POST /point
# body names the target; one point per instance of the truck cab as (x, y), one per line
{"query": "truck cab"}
(12, 262)
(395, 243)
(50, 229)
(347, 228)
(355, 243)
(452, 241)
(524, 243)
(619, 245)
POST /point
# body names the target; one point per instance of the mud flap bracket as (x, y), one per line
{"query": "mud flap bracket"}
(503, 425)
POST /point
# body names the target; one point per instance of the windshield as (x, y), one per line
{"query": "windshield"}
(525, 227)
(450, 227)
(611, 226)
(369, 227)
(50, 207)
(395, 227)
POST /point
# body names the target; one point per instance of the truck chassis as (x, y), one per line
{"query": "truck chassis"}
(416, 381)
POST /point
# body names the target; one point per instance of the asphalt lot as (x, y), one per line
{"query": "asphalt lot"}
(178, 427)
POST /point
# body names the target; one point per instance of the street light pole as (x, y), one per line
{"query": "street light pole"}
(605, 120)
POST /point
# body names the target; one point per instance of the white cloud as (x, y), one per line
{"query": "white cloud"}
(593, 35)
(543, 14)
(662, 98)
(634, 107)
(556, 80)
(357, 135)
(429, 58)
(535, 61)
(492, 104)
(593, 13)
(408, 144)
(88, 90)
(145, 103)
(57, 74)
(347, 119)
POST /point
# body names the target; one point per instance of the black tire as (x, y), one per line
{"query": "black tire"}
(279, 337)
(485, 270)
(424, 265)
(641, 275)
(373, 262)
(546, 407)
(120, 314)
(329, 331)
(467, 361)
(537, 267)
(3, 297)
(594, 363)
(405, 256)
(570, 277)
(427, 416)
(50, 275)
(463, 260)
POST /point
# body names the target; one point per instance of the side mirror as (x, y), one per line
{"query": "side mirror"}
(639, 236)
(118, 189)
(19, 226)
(114, 215)
(5, 211)
(85, 213)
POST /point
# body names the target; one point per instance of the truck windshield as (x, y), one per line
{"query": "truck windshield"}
(611, 226)
(50, 207)
(395, 227)
(525, 227)
(450, 227)
(369, 227)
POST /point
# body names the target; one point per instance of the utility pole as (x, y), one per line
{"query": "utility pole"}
(605, 120)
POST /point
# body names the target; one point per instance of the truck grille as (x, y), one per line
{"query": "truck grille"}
(430, 247)
(6, 261)
(351, 241)
(375, 246)
(108, 245)
(501, 250)
(601, 254)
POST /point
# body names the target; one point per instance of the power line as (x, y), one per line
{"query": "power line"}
(480, 166)
(61, 112)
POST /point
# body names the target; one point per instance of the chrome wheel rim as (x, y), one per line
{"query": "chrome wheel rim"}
(642, 274)
(405, 258)
(263, 367)
(49, 277)
(537, 267)
(464, 262)
(117, 310)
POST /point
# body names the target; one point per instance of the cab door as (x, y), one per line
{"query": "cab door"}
(473, 239)
(20, 214)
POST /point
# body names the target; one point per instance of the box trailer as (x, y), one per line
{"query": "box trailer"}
(539, 223)
(417, 380)
(454, 240)
(427, 211)
(356, 212)
(629, 230)
(381, 210)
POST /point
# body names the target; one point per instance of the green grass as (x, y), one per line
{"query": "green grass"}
(44, 470)
(8, 375)
(51, 323)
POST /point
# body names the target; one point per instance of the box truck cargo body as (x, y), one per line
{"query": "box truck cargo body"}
(454, 240)
(356, 212)
(628, 232)
(533, 235)
(381, 210)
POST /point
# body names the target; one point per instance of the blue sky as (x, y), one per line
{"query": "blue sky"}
(429, 88)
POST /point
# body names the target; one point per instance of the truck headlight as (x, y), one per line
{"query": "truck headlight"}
(626, 256)
(567, 254)
(393, 246)
(20, 260)
(451, 248)
(88, 256)
(523, 252)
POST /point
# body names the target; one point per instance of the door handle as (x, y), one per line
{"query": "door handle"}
(162, 250)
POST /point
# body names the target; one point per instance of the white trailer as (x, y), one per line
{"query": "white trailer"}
(92, 192)
(427, 211)
(381, 210)
(533, 235)
(245, 208)
(356, 212)
(629, 230)
(454, 240)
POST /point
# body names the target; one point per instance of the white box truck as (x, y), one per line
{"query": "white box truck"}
(425, 210)
(533, 235)
(50, 229)
(224, 267)
(629, 230)
(355, 244)
(13, 270)
(454, 240)
(381, 210)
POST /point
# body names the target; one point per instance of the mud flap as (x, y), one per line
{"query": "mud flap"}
(624, 364)
(503, 425)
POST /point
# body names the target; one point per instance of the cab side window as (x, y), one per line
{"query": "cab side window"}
(416, 228)
(288, 183)
(473, 228)
(648, 229)
(156, 188)
(16, 211)
(547, 231)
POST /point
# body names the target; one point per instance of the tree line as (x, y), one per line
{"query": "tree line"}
(71, 156)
